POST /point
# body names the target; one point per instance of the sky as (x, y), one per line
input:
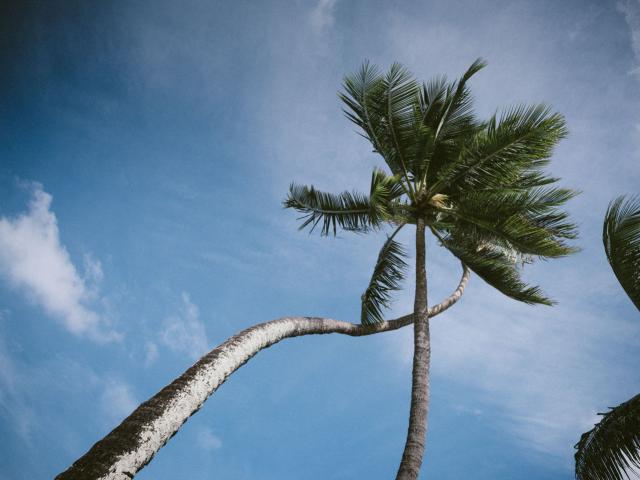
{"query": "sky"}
(145, 150)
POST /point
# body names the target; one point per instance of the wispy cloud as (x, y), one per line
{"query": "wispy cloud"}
(185, 332)
(322, 15)
(12, 403)
(151, 354)
(117, 399)
(34, 261)
(631, 11)
(207, 440)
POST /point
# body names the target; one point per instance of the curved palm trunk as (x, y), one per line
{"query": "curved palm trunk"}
(133, 443)
(416, 434)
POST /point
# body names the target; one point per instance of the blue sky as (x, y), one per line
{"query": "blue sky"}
(145, 149)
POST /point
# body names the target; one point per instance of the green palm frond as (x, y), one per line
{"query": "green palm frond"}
(400, 94)
(447, 117)
(539, 235)
(496, 264)
(363, 98)
(431, 101)
(458, 115)
(520, 142)
(621, 237)
(382, 106)
(528, 219)
(384, 190)
(347, 210)
(386, 277)
(612, 448)
(350, 211)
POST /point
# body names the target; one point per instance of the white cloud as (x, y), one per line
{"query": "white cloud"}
(151, 354)
(322, 15)
(92, 269)
(33, 260)
(631, 11)
(185, 333)
(117, 401)
(207, 440)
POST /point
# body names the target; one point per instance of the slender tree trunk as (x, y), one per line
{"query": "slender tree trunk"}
(133, 443)
(416, 435)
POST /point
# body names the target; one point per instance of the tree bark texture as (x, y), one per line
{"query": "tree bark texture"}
(133, 443)
(416, 435)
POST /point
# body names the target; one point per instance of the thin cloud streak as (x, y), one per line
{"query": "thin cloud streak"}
(185, 333)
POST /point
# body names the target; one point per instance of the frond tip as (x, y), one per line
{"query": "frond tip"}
(611, 450)
(621, 237)
(386, 277)
(497, 266)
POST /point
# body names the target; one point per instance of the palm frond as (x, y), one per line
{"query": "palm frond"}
(621, 237)
(382, 106)
(350, 211)
(520, 142)
(534, 235)
(363, 97)
(458, 115)
(611, 450)
(386, 277)
(384, 190)
(401, 94)
(496, 265)
(447, 117)
(530, 219)
(347, 210)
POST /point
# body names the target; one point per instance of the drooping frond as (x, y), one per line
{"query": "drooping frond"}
(384, 190)
(496, 265)
(519, 143)
(386, 277)
(611, 450)
(621, 237)
(347, 210)
(529, 220)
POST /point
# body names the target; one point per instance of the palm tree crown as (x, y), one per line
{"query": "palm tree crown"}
(478, 185)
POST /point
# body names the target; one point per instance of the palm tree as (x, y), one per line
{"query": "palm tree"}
(611, 449)
(477, 186)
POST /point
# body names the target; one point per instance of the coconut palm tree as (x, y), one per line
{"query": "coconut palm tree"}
(477, 186)
(611, 450)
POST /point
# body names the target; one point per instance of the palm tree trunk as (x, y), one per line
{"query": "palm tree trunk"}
(133, 443)
(416, 435)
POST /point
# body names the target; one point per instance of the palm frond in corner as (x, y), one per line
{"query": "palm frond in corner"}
(611, 450)
(621, 237)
